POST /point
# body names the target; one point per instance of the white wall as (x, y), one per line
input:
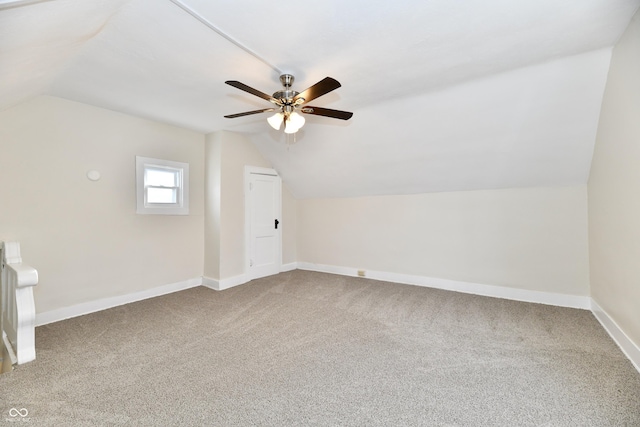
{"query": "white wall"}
(614, 190)
(213, 162)
(289, 226)
(84, 237)
(534, 239)
(227, 155)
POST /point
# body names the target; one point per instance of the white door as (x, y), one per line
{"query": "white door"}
(262, 222)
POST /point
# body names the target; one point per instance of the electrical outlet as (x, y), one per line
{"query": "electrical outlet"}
(361, 273)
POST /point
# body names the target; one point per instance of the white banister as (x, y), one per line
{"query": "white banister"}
(18, 318)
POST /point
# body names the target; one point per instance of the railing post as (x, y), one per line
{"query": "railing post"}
(18, 316)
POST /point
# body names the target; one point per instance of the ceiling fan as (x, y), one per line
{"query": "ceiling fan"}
(288, 102)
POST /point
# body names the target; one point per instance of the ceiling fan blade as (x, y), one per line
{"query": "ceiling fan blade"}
(327, 112)
(323, 87)
(251, 90)
(248, 113)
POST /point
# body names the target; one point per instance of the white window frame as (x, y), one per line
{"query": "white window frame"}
(181, 207)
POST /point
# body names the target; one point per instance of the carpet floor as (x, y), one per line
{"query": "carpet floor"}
(303, 348)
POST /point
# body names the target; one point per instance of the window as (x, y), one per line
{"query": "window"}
(162, 186)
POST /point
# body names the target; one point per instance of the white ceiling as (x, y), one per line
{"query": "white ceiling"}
(446, 95)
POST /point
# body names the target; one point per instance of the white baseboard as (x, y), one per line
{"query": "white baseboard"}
(549, 298)
(221, 285)
(230, 282)
(105, 303)
(628, 347)
(210, 283)
(288, 267)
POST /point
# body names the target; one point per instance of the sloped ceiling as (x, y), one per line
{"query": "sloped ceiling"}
(447, 95)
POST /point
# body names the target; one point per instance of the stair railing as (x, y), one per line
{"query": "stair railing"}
(18, 317)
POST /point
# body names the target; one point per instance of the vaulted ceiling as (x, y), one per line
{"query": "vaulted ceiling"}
(446, 96)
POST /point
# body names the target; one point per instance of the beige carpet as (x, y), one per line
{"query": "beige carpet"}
(305, 348)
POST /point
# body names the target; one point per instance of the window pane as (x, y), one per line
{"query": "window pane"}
(162, 195)
(162, 186)
(161, 178)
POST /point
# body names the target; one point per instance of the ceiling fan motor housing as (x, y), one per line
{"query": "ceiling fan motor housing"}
(286, 95)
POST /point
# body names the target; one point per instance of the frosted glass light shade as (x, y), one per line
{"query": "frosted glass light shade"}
(276, 120)
(296, 120)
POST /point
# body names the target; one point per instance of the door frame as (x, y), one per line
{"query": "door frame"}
(255, 170)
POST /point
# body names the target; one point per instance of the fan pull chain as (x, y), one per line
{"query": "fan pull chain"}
(288, 141)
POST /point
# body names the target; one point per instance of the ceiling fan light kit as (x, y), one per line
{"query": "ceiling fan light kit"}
(289, 103)
(276, 120)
